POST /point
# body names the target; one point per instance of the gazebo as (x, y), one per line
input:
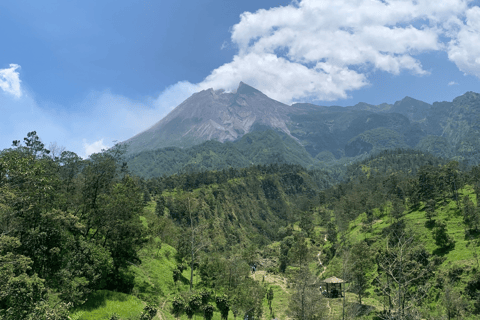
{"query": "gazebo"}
(333, 287)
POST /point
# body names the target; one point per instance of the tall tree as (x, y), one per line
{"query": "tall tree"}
(442, 239)
(403, 268)
(430, 209)
(453, 302)
(306, 302)
(360, 268)
(247, 299)
(471, 216)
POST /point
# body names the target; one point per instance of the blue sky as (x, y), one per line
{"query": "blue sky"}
(86, 73)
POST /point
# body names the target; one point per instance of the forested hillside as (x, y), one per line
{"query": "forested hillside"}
(86, 239)
(304, 134)
(259, 147)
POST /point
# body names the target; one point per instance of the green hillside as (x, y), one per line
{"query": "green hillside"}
(375, 140)
(258, 147)
(84, 239)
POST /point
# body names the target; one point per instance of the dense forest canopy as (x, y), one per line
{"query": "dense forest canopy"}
(401, 227)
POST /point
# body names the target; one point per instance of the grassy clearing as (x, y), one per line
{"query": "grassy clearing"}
(279, 303)
(153, 277)
(103, 303)
(458, 260)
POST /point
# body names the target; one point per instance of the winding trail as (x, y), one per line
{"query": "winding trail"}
(320, 261)
(329, 308)
(321, 274)
(159, 314)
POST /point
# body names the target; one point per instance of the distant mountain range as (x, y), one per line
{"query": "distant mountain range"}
(248, 127)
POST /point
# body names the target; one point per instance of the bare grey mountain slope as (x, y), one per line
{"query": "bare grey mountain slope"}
(216, 115)
(341, 131)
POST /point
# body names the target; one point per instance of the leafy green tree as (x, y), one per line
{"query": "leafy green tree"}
(20, 293)
(398, 208)
(427, 182)
(413, 193)
(176, 275)
(471, 216)
(453, 302)
(33, 145)
(451, 177)
(442, 239)
(404, 268)
(332, 232)
(160, 207)
(205, 294)
(148, 313)
(223, 304)
(300, 252)
(146, 197)
(359, 269)
(247, 299)
(207, 312)
(306, 222)
(178, 306)
(285, 247)
(270, 298)
(306, 302)
(430, 209)
(393, 186)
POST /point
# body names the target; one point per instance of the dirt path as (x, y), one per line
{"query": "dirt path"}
(271, 278)
(321, 274)
(159, 314)
(320, 261)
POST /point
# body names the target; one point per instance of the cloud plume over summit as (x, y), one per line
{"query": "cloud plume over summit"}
(320, 50)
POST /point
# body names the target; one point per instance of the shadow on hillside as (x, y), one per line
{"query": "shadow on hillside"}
(184, 280)
(430, 224)
(99, 299)
(472, 234)
(443, 251)
(355, 309)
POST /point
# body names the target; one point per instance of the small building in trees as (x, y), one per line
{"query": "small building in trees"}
(332, 287)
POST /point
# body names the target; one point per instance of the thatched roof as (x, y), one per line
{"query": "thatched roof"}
(333, 280)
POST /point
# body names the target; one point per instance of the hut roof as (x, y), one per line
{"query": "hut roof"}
(333, 280)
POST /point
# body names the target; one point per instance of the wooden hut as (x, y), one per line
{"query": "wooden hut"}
(332, 287)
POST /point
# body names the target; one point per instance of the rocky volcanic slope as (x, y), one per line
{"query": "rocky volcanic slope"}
(339, 131)
(216, 115)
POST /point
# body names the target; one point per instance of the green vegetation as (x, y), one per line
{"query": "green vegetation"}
(103, 304)
(258, 147)
(86, 239)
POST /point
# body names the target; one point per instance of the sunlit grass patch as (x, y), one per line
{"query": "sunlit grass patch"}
(279, 303)
(154, 276)
(103, 303)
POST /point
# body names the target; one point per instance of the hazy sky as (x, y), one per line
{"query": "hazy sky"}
(86, 73)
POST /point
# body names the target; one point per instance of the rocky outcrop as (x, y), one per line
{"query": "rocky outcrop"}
(217, 115)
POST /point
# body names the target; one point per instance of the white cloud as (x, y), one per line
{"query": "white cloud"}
(10, 81)
(464, 49)
(310, 49)
(102, 117)
(452, 83)
(323, 49)
(279, 78)
(21, 115)
(173, 95)
(93, 147)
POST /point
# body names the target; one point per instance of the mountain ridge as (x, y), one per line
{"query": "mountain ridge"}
(217, 115)
(343, 132)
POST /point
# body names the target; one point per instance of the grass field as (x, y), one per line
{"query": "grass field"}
(103, 303)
